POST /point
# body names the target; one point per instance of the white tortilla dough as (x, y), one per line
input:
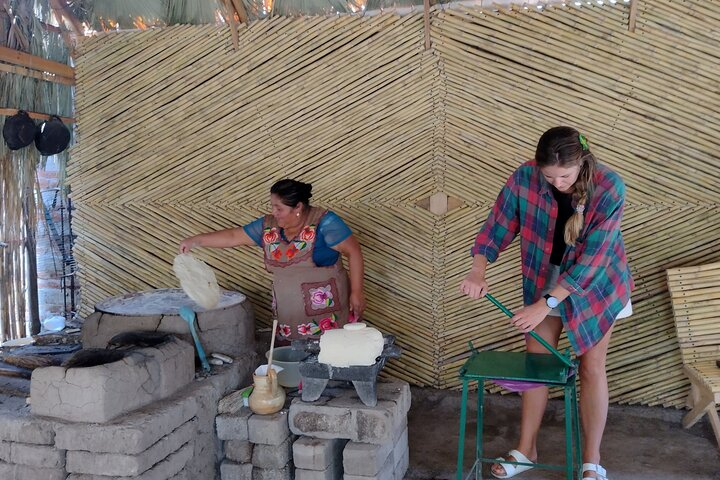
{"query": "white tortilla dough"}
(198, 280)
(353, 345)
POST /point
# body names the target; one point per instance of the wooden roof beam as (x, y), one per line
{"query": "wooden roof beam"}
(16, 57)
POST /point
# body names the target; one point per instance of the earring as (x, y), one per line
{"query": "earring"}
(297, 214)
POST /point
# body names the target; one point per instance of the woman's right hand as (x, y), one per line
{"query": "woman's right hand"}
(474, 286)
(188, 244)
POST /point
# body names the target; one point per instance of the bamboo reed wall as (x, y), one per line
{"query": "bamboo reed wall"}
(180, 134)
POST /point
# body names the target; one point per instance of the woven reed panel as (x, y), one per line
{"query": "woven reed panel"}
(180, 134)
(647, 100)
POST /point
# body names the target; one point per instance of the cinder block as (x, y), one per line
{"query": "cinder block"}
(321, 421)
(239, 451)
(346, 417)
(236, 471)
(136, 432)
(130, 465)
(233, 427)
(402, 466)
(11, 471)
(272, 456)
(317, 453)
(366, 459)
(25, 428)
(32, 455)
(396, 391)
(269, 429)
(172, 468)
(333, 471)
(285, 473)
(387, 472)
(401, 447)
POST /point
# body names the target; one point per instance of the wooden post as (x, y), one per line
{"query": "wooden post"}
(32, 277)
(16, 57)
(633, 16)
(426, 18)
(36, 115)
(232, 23)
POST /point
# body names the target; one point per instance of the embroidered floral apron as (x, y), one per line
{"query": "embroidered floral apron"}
(307, 299)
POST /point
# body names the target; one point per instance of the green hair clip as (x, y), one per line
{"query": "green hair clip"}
(583, 142)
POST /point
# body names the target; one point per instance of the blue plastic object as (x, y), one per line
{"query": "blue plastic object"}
(188, 314)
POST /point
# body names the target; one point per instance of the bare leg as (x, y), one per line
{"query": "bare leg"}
(594, 400)
(535, 400)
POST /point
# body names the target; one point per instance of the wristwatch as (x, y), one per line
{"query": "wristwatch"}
(551, 301)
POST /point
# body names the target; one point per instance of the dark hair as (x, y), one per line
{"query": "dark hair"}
(292, 192)
(566, 147)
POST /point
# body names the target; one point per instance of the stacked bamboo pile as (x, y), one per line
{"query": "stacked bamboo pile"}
(181, 134)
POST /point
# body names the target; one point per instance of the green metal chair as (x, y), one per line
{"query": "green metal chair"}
(554, 369)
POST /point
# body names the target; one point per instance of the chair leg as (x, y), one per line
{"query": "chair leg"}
(715, 422)
(479, 430)
(701, 405)
(576, 427)
(461, 439)
(568, 434)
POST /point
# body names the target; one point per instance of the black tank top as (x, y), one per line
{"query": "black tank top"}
(565, 211)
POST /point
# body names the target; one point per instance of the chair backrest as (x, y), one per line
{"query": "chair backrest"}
(695, 296)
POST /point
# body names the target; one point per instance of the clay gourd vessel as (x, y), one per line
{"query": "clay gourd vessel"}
(267, 396)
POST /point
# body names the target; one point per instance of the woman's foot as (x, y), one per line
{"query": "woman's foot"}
(594, 471)
(506, 470)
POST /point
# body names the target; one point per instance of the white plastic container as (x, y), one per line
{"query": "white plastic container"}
(53, 324)
(355, 344)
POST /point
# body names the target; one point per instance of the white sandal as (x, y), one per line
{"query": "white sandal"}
(595, 468)
(510, 469)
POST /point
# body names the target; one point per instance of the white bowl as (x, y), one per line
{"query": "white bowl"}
(289, 360)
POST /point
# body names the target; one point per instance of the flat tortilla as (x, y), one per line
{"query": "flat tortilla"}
(198, 280)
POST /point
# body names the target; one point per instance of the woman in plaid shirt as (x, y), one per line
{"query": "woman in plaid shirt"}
(567, 209)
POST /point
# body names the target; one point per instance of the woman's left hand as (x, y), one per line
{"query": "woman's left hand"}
(357, 303)
(527, 318)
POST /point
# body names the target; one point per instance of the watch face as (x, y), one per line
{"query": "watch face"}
(552, 302)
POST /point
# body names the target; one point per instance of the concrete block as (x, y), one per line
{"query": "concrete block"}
(236, 471)
(239, 451)
(402, 466)
(333, 471)
(99, 394)
(269, 429)
(375, 424)
(387, 472)
(113, 464)
(136, 432)
(366, 459)
(347, 417)
(396, 391)
(233, 426)
(401, 448)
(317, 453)
(272, 456)
(321, 421)
(32, 455)
(24, 428)
(172, 468)
(10, 471)
(285, 473)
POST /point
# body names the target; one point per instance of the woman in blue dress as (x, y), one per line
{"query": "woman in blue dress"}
(302, 246)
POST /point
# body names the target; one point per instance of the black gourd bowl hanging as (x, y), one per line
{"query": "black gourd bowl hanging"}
(52, 136)
(19, 130)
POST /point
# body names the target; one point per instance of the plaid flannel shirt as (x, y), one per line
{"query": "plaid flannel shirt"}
(595, 270)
